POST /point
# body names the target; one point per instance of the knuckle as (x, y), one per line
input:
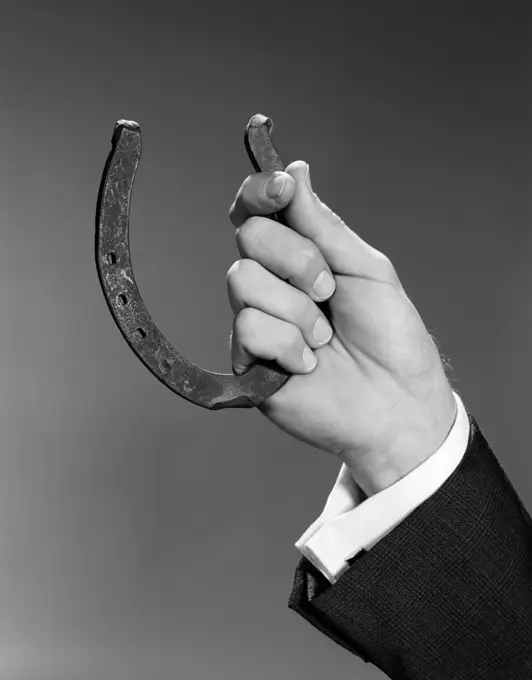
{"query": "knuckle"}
(306, 258)
(383, 265)
(232, 271)
(293, 338)
(382, 258)
(255, 226)
(245, 324)
(241, 274)
(387, 267)
(235, 211)
(246, 184)
(250, 233)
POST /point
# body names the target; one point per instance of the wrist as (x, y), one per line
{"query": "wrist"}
(379, 468)
(373, 478)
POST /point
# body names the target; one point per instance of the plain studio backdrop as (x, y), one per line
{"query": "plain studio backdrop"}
(142, 536)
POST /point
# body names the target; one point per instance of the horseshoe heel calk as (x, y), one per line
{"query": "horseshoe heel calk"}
(113, 262)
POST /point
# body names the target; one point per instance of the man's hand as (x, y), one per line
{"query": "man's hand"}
(370, 389)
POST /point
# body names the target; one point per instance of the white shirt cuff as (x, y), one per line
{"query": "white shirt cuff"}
(351, 522)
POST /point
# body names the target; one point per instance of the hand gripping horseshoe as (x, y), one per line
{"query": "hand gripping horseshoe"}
(113, 262)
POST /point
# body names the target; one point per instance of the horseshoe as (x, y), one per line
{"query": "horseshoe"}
(213, 391)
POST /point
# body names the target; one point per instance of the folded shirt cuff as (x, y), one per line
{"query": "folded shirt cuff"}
(350, 521)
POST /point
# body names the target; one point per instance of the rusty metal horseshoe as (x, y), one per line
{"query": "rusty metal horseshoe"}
(113, 261)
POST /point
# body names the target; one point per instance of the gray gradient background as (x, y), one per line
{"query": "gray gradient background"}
(141, 536)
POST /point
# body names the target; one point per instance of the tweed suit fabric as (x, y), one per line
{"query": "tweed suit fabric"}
(447, 594)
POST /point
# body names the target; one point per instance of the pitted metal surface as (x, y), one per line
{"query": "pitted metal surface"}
(113, 261)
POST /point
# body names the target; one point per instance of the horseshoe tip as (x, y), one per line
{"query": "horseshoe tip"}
(131, 124)
(259, 120)
(123, 124)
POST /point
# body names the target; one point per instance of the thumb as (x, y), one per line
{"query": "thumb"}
(345, 252)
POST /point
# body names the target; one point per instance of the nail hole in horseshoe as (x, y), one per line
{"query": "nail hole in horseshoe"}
(140, 332)
(123, 299)
(166, 366)
(111, 258)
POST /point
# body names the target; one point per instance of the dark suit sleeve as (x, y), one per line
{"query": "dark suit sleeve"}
(447, 594)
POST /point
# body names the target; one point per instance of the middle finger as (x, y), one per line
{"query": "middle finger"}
(286, 254)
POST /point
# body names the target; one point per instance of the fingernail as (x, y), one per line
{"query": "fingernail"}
(324, 285)
(322, 331)
(274, 186)
(309, 359)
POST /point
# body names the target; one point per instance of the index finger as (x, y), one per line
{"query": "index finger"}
(262, 194)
